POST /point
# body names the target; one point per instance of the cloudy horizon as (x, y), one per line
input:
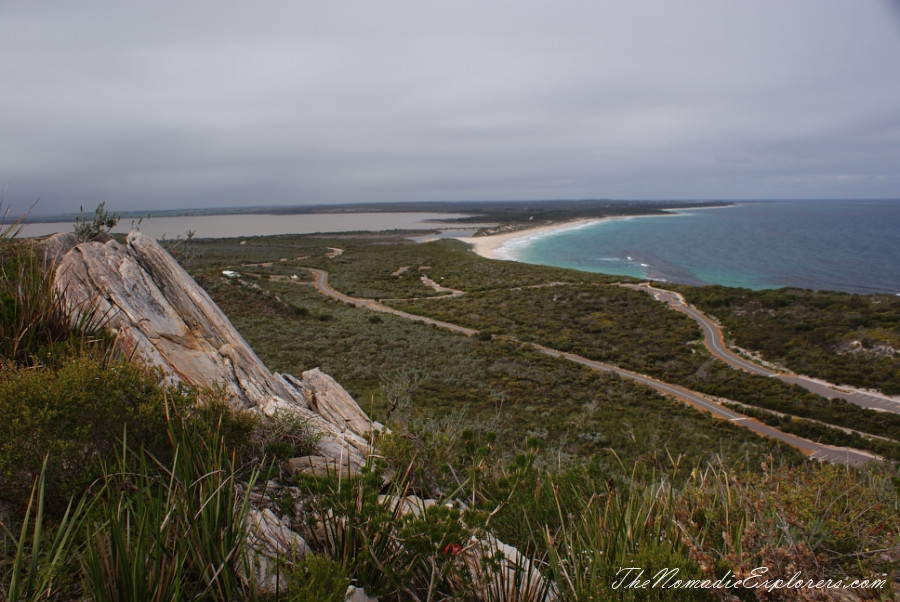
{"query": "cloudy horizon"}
(170, 105)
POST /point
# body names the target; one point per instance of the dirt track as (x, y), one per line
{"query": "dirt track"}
(815, 450)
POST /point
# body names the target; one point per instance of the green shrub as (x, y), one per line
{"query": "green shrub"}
(284, 435)
(419, 455)
(74, 416)
(391, 545)
(101, 223)
(318, 578)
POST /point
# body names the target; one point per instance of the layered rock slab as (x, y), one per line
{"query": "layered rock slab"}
(160, 315)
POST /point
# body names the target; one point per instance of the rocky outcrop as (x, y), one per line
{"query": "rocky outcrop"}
(270, 543)
(317, 466)
(161, 316)
(511, 576)
(329, 400)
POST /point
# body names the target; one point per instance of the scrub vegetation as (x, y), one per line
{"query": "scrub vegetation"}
(563, 309)
(840, 337)
(116, 485)
(511, 388)
(491, 384)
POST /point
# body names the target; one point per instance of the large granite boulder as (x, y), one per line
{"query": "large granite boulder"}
(160, 315)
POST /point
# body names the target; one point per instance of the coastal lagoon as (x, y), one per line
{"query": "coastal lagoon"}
(851, 246)
(261, 224)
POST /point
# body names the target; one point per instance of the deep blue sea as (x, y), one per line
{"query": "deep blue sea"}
(851, 246)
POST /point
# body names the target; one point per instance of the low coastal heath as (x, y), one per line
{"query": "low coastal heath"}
(636, 578)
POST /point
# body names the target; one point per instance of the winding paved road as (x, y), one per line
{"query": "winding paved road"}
(715, 342)
(814, 450)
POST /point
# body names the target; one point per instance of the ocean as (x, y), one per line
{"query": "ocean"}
(850, 246)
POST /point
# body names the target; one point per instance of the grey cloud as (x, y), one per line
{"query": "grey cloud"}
(204, 103)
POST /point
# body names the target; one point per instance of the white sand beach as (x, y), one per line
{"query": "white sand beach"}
(487, 246)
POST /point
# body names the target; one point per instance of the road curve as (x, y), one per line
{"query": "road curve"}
(322, 285)
(715, 342)
(712, 334)
(837, 455)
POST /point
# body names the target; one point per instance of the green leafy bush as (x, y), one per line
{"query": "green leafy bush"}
(394, 545)
(75, 416)
(318, 578)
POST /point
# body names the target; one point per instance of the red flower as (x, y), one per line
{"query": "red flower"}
(452, 549)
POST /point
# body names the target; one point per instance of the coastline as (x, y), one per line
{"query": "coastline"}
(488, 246)
(834, 246)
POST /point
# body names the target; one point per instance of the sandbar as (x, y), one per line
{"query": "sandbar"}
(487, 246)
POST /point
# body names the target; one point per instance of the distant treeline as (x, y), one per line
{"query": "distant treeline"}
(479, 211)
(512, 211)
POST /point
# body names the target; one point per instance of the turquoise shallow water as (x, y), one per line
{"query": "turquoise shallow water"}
(851, 246)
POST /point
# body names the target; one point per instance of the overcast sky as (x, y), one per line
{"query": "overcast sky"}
(201, 103)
